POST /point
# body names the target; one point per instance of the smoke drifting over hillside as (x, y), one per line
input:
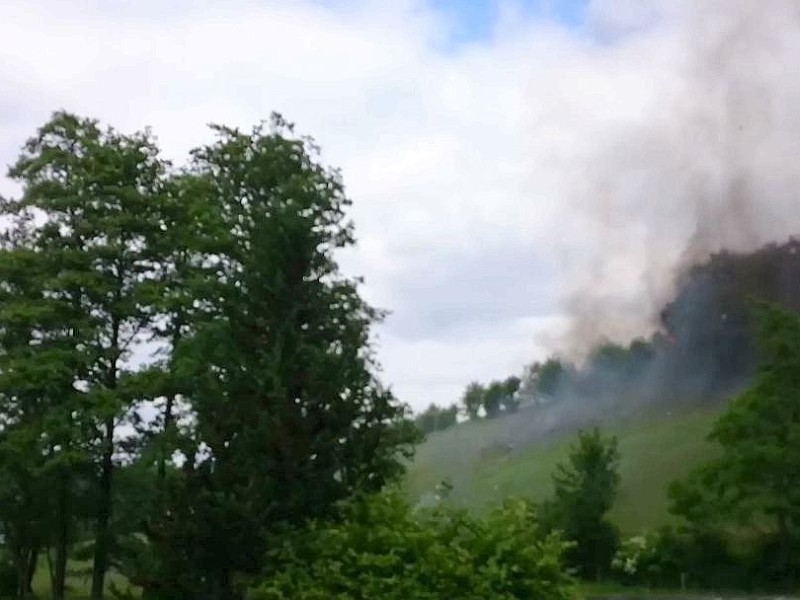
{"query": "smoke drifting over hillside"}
(712, 165)
(682, 216)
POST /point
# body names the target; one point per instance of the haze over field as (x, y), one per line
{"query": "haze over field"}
(526, 176)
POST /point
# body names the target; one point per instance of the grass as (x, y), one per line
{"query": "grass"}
(79, 580)
(655, 450)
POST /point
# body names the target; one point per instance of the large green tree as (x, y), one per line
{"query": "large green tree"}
(31, 392)
(756, 479)
(262, 408)
(89, 212)
(289, 416)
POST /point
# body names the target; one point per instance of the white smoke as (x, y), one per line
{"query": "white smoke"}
(704, 159)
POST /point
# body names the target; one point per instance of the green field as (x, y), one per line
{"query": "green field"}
(79, 580)
(655, 449)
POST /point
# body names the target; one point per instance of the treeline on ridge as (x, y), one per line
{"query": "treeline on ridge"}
(705, 349)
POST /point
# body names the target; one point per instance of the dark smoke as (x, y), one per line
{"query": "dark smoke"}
(675, 218)
(705, 351)
(682, 211)
(709, 167)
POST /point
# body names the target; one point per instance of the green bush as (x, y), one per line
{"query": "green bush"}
(381, 549)
(669, 558)
(652, 558)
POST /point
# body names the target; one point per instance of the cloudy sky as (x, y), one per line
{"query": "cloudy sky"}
(464, 130)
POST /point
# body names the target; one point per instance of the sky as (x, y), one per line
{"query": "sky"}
(466, 132)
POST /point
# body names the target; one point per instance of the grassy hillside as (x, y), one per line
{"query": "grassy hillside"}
(655, 449)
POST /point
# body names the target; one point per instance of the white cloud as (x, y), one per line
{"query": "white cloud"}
(488, 180)
(428, 141)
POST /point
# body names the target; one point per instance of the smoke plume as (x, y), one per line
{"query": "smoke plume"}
(681, 215)
(709, 165)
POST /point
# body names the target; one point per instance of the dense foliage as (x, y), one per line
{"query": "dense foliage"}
(492, 400)
(541, 381)
(754, 483)
(435, 418)
(183, 369)
(739, 512)
(382, 550)
(584, 491)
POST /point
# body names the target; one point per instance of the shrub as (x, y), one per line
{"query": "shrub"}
(671, 558)
(585, 487)
(381, 549)
(647, 558)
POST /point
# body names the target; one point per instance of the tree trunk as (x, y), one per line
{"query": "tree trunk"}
(162, 461)
(33, 563)
(22, 575)
(168, 419)
(784, 546)
(25, 557)
(102, 536)
(103, 533)
(21, 563)
(62, 541)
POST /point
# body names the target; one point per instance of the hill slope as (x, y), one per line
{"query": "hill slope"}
(655, 449)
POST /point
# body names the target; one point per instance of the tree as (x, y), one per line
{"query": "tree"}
(551, 376)
(428, 421)
(90, 211)
(608, 356)
(188, 237)
(542, 381)
(584, 491)
(493, 397)
(510, 400)
(448, 417)
(435, 418)
(289, 415)
(501, 396)
(264, 383)
(756, 475)
(31, 388)
(473, 399)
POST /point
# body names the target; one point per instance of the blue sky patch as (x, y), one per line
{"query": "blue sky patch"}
(475, 19)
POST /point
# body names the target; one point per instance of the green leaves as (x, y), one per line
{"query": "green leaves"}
(584, 491)
(494, 398)
(260, 374)
(77, 269)
(381, 549)
(755, 479)
(590, 479)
